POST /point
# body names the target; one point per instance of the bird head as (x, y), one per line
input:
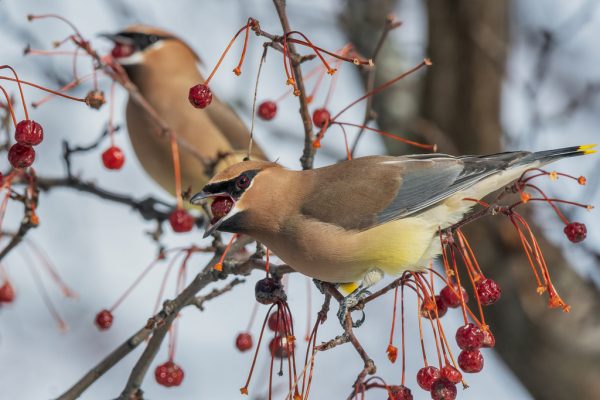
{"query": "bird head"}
(232, 192)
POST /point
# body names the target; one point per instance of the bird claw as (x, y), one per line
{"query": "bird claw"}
(350, 301)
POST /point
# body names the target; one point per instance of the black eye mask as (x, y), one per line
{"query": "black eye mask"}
(231, 186)
(139, 40)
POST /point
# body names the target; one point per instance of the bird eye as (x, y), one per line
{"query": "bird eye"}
(242, 182)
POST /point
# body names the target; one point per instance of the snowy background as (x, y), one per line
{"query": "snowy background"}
(100, 247)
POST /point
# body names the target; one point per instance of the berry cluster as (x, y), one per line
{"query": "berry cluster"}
(28, 133)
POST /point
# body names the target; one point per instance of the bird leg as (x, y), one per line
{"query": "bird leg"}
(371, 277)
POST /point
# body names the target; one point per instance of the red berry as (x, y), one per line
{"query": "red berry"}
(122, 50)
(267, 110)
(200, 95)
(181, 221)
(426, 376)
(21, 156)
(279, 347)
(470, 361)
(168, 374)
(278, 325)
(451, 373)
(321, 117)
(243, 341)
(489, 341)
(113, 158)
(7, 293)
(399, 392)
(488, 291)
(29, 132)
(575, 231)
(443, 389)
(220, 207)
(452, 298)
(469, 337)
(104, 320)
(441, 308)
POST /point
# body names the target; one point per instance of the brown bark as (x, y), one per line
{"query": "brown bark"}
(556, 355)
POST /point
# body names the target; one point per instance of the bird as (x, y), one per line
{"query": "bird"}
(163, 68)
(354, 221)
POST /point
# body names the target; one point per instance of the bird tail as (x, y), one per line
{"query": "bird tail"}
(548, 156)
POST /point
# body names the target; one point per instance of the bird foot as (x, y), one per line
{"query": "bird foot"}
(350, 301)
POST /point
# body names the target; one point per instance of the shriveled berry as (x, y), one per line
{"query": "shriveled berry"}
(200, 95)
(169, 374)
(575, 231)
(267, 110)
(181, 221)
(7, 293)
(469, 337)
(104, 320)
(269, 291)
(243, 341)
(122, 50)
(399, 392)
(21, 156)
(451, 373)
(29, 132)
(429, 310)
(489, 341)
(443, 389)
(113, 158)
(470, 361)
(220, 207)
(452, 298)
(426, 376)
(281, 347)
(95, 99)
(488, 291)
(277, 324)
(321, 117)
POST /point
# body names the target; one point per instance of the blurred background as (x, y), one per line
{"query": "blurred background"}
(507, 75)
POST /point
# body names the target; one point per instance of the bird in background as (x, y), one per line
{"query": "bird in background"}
(352, 222)
(164, 67)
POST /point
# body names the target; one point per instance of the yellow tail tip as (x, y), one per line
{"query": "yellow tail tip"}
(588, 148)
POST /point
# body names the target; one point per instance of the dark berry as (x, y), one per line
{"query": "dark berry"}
(200, 95)
(470, 361)
(269, 291)
(469, 337)
(104, 320)
(7, 293)
(267, 110)
(281, 347)
(181, 221)
(399, 392)
(29, 132)
(426, 376)
(452, 298)
(113, 158)
(488, 291)
(95, 99)
(489, 341)
(122, 50)
(575, 231)
(220, 207)
(443, 389)
(429, 310)
(321, 117)
(277, 324)
(21, 156)
(451, 373)
(243, 341)
(168, 374)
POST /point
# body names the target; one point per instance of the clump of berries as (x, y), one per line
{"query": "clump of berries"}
(200, 96)
(113, 158)
(169, 374)
(267, 110)
(28, 133)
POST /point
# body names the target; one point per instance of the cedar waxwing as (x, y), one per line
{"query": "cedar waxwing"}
(356, 220)
(164, 68)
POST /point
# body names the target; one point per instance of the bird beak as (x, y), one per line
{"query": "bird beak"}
(213, 225)
(198, 197)
(116, 38)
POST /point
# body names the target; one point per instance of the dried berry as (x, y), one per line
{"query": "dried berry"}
(7, 293)
(469, 337)
(181, 221)
(168, 374)
(267, 110)
(575, 231)
(451, 373)
(452, 298)
(29, 132)
(443, 389)
(488, 291)
(426, 376)
(470, 361)
(104, 320)
(21, 156)
(429, 310)
(399, 392)
(200, 95)
(220, 207)
(321, 117)
(95, 99)
(269, 291)
(113, 158)
(489, 341)
(281, 347)
(243, 341)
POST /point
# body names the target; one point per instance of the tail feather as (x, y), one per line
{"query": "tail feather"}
(548, 156)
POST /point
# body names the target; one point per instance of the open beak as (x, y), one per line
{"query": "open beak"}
(116, 38)
(217, 220)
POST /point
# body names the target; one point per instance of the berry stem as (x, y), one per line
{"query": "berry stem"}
(9, 107)
(245, 27)
(133, 285)
(20, 88)
(6, 78)
(431, 147)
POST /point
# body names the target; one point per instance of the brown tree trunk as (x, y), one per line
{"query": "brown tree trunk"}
(556, 355)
